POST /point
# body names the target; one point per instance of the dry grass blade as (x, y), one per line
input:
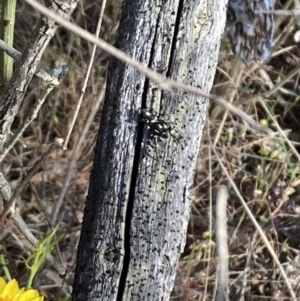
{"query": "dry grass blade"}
(16, 216)
(27, 66)
(295, 12)
(162, 82)
(59, 72)
(58, 204)
(267, 91)
(40, 72)
(295, 152)
(237, 74)
(257, 227)
(222, 242)
(87, 76)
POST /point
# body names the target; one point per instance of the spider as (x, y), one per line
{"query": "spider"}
(156, 126)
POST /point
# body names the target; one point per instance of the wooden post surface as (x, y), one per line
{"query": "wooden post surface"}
(137, 209)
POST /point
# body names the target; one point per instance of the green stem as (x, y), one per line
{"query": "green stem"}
(4, 267)
(7, 25)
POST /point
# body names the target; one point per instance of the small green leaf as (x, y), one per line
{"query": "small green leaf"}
(38, 256)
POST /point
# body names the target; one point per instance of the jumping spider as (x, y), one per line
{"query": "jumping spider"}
(156, 126)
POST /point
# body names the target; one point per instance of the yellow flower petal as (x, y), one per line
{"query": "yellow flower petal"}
(40, 298)
(28, 296)
(2, 285)
(11, 292)
(11, 289)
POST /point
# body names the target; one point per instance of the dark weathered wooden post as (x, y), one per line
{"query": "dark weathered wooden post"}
(137, 209)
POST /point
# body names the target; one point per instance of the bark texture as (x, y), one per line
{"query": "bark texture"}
(137, 209)
(251, 32)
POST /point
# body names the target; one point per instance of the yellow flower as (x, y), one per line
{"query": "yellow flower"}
(11, 292)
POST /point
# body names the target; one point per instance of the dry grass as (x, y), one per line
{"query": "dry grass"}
(37, 199)
(265, 170)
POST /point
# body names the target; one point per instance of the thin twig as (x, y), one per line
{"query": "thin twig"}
(237, 74)
(9, 205)
(294, 12)
(222, 242)
(247, 267)
(19, 222)
(15, 213)
(5, 189)
(287, 140)
(87, 76)
(56, 73)
(257, 226)
(57, 208)
(161, 81)
(281, 83)
(27, 65)
(43, 74)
